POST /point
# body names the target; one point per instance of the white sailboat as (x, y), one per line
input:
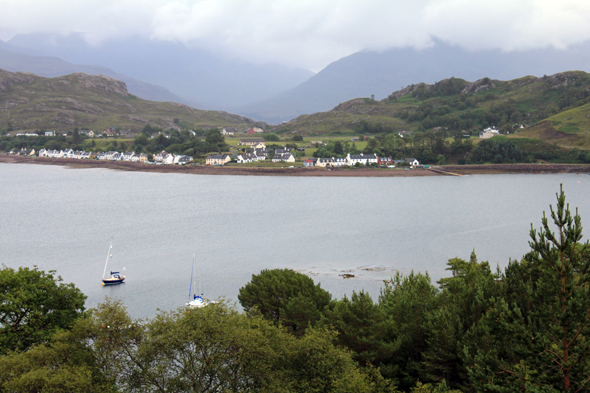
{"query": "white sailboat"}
(194, 300)
(115, 277)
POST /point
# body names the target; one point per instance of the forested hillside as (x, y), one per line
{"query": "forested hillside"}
(539, 119)
(521, 329)
(455, 105)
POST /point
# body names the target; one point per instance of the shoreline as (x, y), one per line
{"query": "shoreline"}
(445, 170)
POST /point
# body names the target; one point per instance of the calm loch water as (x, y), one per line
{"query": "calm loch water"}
(62, 219)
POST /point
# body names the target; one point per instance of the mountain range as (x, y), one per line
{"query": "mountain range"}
(202, 78)
(170, 71)
(378, 74)
(11, 59)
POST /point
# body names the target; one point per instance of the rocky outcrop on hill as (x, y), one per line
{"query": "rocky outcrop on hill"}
(406, 90)
(560, 79)
(8, 79)
(99, 82)
(552, 81)
(471, 87)
(357, 106)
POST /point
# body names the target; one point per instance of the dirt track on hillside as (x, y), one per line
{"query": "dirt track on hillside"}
(334, 172)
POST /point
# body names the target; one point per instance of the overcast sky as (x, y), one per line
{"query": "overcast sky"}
(308, 33)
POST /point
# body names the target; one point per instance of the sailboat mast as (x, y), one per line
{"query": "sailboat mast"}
(190, 288)
(200, 292)
(107, 261)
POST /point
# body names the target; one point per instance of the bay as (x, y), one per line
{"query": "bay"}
(62, 219)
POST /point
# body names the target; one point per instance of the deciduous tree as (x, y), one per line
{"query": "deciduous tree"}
(34, 305)
(286, 297)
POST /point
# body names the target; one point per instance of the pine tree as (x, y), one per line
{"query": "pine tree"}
(541, 340)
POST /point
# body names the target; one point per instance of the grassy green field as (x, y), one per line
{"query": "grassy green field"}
(103, 143)
(568, 129)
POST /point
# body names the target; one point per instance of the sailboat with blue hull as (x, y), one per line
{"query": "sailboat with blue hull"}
(116, 277)
(197, 301)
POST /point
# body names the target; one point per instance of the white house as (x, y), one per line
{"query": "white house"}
(218, 159)
(488, 133)
(161, 156)
(248, 157)
(261, 154)
(110, 155)
(363, 159)
(181, 159)
(168, 160)
(285, 157)
(256, 143)
(338, 162)
(128, 155)
(282, 151)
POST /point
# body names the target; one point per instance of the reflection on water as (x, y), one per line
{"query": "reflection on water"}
(62, 219)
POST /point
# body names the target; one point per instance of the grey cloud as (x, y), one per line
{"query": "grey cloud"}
(309, 33)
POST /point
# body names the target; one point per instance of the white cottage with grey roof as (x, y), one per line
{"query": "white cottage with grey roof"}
(363, 159)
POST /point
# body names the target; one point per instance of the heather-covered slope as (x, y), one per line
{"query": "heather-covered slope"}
(28, 101)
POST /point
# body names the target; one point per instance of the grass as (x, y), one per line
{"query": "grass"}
(104, 143)
(569, 128)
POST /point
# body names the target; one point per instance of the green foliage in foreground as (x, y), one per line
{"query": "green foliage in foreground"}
(285, 296)
(33, 306)
(538, 337)
(526, 328)
(214, 349)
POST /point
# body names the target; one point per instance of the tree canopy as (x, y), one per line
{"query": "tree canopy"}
(34, 305)
(286, 297)
(539, 339)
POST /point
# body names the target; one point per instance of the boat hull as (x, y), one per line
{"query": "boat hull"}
(114, 281)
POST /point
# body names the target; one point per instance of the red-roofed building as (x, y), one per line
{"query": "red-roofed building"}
(384, 161)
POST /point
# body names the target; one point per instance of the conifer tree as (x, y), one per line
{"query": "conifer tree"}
(540, 341)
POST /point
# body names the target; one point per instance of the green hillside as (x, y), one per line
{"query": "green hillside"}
(568, 129)
(539, 119)
(31, 102)
(458, 107)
